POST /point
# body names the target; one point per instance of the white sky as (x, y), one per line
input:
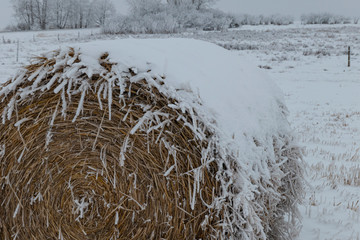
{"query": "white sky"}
(291, 7)
(5, 13)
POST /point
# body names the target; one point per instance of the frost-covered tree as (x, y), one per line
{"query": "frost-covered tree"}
(80, 14)
(24, 13)
(356, 20)
(156, 16)
(200, 4)
(80, 9)
(44, 14)
(61, 13)
(324, 18)
(197, 4)
(32, 12)
(102, 11)
(145, 7)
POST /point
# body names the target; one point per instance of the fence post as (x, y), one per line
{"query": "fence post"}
(17, 50)
(349, 56)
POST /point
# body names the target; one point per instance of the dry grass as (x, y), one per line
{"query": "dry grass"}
(43, 181)
(91, 164)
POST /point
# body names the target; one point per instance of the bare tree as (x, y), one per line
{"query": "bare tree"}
(356, 20)
(41, 10)
(143, 7)
(103, 9)
(44, 14)
(200, 4)
(175, 2)
(78, 13)
(24, 13)
(197, 4)
(62, 12)
(30, 12)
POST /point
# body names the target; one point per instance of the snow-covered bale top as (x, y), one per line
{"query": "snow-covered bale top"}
(146, 139)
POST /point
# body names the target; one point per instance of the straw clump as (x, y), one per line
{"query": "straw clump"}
(113, 153)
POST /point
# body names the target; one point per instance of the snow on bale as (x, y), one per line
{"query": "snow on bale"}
(146, 139)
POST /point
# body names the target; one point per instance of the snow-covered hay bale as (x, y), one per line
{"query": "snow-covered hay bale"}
(146, 139)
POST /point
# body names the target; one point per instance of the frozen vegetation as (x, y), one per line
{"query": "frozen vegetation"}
(147, 16)
(325, 18)
(60, 14)
(259, 165)
(309, 63)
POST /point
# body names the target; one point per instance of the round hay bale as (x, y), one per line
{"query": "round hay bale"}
(95, 148)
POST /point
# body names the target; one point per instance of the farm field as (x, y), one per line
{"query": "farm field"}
(309, 64)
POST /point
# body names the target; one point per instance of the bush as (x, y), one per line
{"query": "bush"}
(324, 18)
(152, 24)
(160, 18)
(247, 19)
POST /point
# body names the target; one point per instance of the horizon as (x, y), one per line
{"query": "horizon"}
(292, 8)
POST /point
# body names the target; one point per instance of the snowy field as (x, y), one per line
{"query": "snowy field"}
(322, 93)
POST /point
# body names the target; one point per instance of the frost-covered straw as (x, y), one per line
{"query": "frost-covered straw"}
(98, 144)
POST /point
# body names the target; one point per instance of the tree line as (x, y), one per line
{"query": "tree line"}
(197, 4)
(145, 16)
(174, 16)
(60, 14)
(326, 18)
(170, 16)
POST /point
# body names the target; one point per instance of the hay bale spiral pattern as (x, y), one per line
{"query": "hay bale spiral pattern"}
(109, 155)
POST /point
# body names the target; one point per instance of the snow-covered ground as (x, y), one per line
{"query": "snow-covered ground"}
(322, 93)
(310, 66)
(323, 99)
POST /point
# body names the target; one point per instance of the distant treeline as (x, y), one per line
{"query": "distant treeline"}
(274, 19)
(60, 14)
(154, 16)
(327, 18)
(146, 16)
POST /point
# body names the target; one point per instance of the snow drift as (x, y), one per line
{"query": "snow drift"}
(146, 139)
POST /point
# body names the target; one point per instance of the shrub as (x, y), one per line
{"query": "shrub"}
(275, 19)
(324, 18)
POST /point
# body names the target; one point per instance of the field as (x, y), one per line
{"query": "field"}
(309, 64)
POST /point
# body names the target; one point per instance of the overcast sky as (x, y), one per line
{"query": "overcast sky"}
(5, 13)
(291, 7)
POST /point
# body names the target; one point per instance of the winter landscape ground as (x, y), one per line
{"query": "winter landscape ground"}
(309, 63)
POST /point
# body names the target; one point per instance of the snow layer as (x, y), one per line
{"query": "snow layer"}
(259, 172)
(243, 99)
(310, 83)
